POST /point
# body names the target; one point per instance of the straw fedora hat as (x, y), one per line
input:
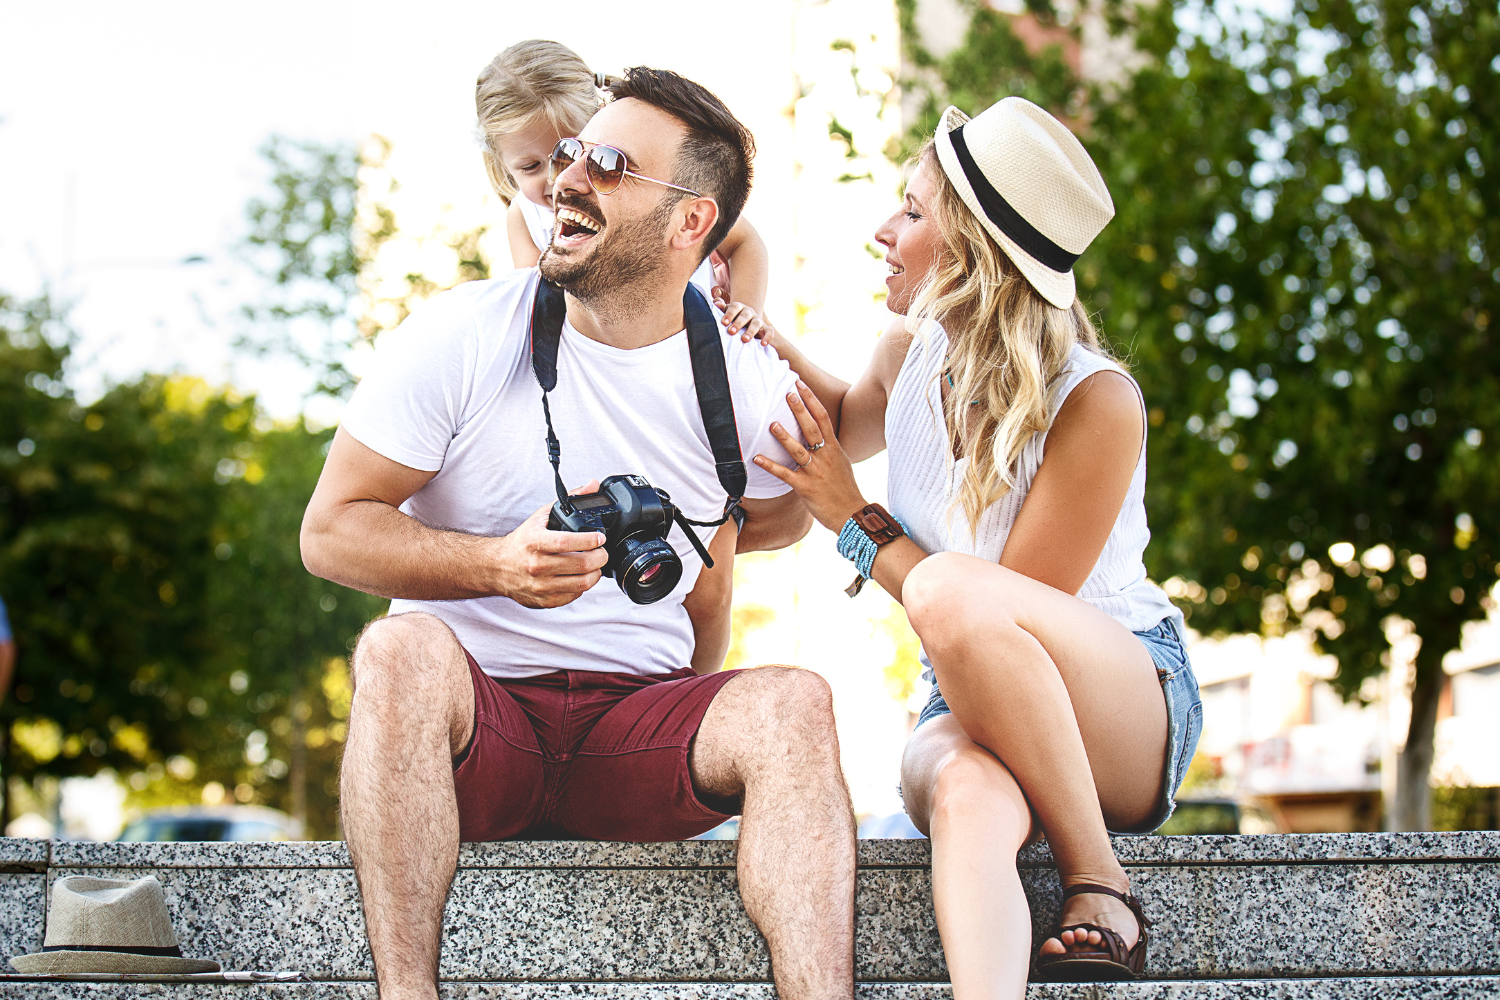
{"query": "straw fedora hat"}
(1031, 184)
(101, 925)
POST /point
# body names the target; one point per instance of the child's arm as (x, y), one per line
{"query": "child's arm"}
(708, 603)
(749, 265)
(523, 252)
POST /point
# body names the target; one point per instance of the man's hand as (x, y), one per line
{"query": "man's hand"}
(547, 569)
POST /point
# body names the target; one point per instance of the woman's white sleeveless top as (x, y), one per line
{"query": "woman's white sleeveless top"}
(539, 223)
(924, 482)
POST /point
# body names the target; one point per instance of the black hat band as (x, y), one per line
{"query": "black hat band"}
(173, 952)
(1000, 212)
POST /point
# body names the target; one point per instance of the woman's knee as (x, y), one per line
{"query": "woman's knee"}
(972, 787)
(941, 600)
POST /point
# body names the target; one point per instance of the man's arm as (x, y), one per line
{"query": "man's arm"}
(774, 523)
(708, 604)
(354, 534)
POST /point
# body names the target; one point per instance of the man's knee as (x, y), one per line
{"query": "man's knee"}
(789, 696)
(405, 657)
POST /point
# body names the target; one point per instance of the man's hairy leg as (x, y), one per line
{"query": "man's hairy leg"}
(769, 736)
(413, 710)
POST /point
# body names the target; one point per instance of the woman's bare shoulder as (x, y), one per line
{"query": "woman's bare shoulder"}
(890, 352)
(1104, 407)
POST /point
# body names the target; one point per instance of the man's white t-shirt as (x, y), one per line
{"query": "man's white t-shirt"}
(452, 392)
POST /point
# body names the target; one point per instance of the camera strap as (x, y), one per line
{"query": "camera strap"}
(710, 382)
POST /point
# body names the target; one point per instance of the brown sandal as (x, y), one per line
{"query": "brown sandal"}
(1107, 960)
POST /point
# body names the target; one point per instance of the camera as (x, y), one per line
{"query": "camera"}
(634, 517)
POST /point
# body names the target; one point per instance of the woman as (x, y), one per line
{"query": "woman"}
(1063, 702)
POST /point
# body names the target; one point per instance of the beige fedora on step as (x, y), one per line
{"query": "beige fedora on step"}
(101, 925)
(1031, 184)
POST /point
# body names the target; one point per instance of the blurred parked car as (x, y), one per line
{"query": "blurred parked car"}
(1206, 816)
(213, 823)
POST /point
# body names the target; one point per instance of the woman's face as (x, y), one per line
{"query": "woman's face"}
(525, 153)
(911, 239)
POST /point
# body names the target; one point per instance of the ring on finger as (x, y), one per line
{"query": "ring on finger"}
(815, 447)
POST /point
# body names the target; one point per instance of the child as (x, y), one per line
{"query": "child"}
(537, 92)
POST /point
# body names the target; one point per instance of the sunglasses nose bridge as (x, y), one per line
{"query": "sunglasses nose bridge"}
(564, 155)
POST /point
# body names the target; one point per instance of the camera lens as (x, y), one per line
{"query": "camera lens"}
(649, 569)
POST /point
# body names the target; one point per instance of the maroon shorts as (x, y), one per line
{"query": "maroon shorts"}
(582, 754)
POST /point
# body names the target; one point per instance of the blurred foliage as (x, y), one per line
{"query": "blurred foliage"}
(148, 553)
(317, 238)
(149, 542)
(1301, 276)
(744, 619)
(1466, 808)
(904, 669)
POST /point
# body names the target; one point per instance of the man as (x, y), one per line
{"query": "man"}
(510, 693)
(7, 652)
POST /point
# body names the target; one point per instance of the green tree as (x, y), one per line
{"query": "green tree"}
(283, 634)
(1301, 274)
(105, 513)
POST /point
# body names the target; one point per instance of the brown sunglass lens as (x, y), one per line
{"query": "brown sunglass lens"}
(564, 154)
(606, 167)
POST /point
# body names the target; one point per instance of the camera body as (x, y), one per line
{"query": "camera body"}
(634, 518)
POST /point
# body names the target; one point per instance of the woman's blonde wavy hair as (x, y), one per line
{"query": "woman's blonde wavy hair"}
(531, 81)
(1007, 346)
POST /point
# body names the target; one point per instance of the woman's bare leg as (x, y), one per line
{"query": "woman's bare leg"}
(969, 804)
(1064, 696)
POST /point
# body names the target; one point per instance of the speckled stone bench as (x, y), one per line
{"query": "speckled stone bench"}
(1294, 917)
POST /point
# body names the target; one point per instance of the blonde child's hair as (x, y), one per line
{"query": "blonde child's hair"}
(529, 82)
(1007, 346)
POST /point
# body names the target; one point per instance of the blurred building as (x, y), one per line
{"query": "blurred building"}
(1276, 733)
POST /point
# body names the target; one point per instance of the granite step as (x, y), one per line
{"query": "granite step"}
(1378, 988)
(569, 917)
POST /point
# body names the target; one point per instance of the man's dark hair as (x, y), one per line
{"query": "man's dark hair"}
(717, 152)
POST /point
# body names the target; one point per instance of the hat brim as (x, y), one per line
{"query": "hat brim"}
(109, 962)
(1057, 287)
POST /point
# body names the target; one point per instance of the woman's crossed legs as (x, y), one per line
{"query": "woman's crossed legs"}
(1059, 725)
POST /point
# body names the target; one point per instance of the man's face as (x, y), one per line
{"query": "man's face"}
(611, 244)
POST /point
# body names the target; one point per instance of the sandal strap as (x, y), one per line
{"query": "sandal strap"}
(1131, 901)
(1114, 944)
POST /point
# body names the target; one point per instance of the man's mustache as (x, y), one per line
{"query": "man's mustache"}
(577, 204)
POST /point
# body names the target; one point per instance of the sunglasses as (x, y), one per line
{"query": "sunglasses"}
(605, 166)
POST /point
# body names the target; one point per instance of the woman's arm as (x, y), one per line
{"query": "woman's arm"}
(523, 252)
(1090, 456)
(749, 264)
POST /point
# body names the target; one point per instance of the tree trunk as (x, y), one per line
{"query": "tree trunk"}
(1413, 809)
(1441, 632)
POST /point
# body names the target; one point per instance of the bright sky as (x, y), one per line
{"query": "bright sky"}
(128, 138)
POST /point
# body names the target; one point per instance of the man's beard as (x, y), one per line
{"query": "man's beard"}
(621, 269)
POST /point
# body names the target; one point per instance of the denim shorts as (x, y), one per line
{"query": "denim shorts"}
(1184, 709)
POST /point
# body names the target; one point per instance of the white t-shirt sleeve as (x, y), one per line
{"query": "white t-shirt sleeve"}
(765, 380)
(411, 404)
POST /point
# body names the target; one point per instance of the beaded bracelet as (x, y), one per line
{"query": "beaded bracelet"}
(860, 549)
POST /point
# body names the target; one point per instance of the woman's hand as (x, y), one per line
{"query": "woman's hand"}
(824, 477)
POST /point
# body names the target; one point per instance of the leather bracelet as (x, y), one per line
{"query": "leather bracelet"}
(878, 523)
(857, 542)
